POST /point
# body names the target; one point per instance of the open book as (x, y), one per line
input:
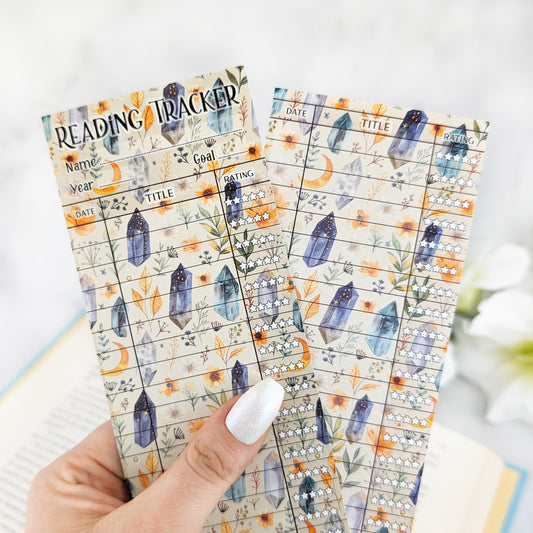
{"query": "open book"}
(71, 404)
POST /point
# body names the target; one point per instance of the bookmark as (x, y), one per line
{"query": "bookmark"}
(375, 203)
(180, 258)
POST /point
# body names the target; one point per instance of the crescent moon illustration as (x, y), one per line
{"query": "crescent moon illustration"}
(122, 365)
(116, 179)
(320, 182)
(306, 356)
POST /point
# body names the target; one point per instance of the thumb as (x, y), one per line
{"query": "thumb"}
(182, 499)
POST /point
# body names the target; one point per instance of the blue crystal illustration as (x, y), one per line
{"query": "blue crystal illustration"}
(355, 510)
(233, 194)
(47, 125)
(383, 530)
(277, 103)
(452, 152)
(358, 419)
(314, 105)
(146, 357)
(78, 116)
(89, 298)
(267, 293)
(180, 308)
(420, 347)
(413, 495)
(237, 491)
(347, 183)
(144, 420)
(138, 239)
(339, 133)
(322, 431)
(111, 143)
(220, 120)
(119, 318)
(382, 330)
(239, 378)
(274, 480)
(406, 138)
(297, 316)
(174, 129)
(321, 241)
(307, 491)
(226, 294)
(431, 238)
(336, 315)
(138, 176)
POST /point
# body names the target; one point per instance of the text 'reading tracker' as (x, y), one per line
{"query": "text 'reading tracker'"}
(183, 269)
(375, 203)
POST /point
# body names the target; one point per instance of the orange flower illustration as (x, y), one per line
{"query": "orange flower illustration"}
(265, 519)
(207, 193)
(253, 152)
(342, 103)
(196, 425)
(467, 207)
(361, 219)
(368, 305)
(369, 268)
(109, 289)
(195, 91)
(214, 376)
(437, 130)
(83, 225)
(337, 401)
(406, 227)
(380, 515)
(281, 204)
(397, 383)
(169, 387)
(204, 279)
(70, 157)
(102, 106)
(289, 140)
(164, 206)
(191, 245)
(260, 338)
(265, 216)
(454, 267)
(380, 446)
(299, 466)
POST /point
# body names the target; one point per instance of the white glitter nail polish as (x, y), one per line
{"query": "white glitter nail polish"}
(254, 411)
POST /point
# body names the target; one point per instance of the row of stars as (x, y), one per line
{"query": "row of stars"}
(307, 472)
(387, 524)
(275, 325)
(268, 305)
(297, 387)
(256, 241)
(260, 261)
(298, 431)
(250, 220)
(424, 378)
(304, 451)
(440, 246)
(403, 440)
(432, 290)
(407, 420)
(283, 368)
(428, 312)
(272, 347)
(391, 503)
(317, 514)
(449, 202)
(393, 483)
(245, 197)
(457, 158)
(419, 355)
(293, 410)
(420, 332)
(437, 178)
(410, 397)
(312, 495)
(444, 224)
(264, 283)
(436, 268)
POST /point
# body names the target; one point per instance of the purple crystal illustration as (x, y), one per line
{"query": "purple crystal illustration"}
(226, 294)
(144, 420)
(267, 293)
(430, 238)
(314, 105)
(453, 150)
(89, 298)
(322, 431)
(413, 495)
(277, 103)
(347, 183)
(180, 308)
(355, 510)
(146, 357)
(138, 176)
(358, 419)
(239, 378)
(307, 491)
(382, 330)
(339, 133)
(321, 242)
(297, 316)
(274, 480)
(174, 129)
(406, 138)
(119, 318)
(339, 309)
(237, 491)
(420, 347)
(78, 116)
(334, 524)
(138, 239)
(233, 196)
(221, 119)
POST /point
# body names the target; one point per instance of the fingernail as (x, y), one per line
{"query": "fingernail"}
(254, 411)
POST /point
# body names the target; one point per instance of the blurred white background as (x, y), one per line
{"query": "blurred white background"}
(467, 57)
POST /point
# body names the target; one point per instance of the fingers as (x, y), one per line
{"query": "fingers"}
(183, 497)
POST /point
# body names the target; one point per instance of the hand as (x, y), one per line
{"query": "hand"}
(83, 490)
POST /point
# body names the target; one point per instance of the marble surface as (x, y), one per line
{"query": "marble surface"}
(469, 57)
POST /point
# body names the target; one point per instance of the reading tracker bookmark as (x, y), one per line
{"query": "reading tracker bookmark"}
(375, 203)
(183, 271)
